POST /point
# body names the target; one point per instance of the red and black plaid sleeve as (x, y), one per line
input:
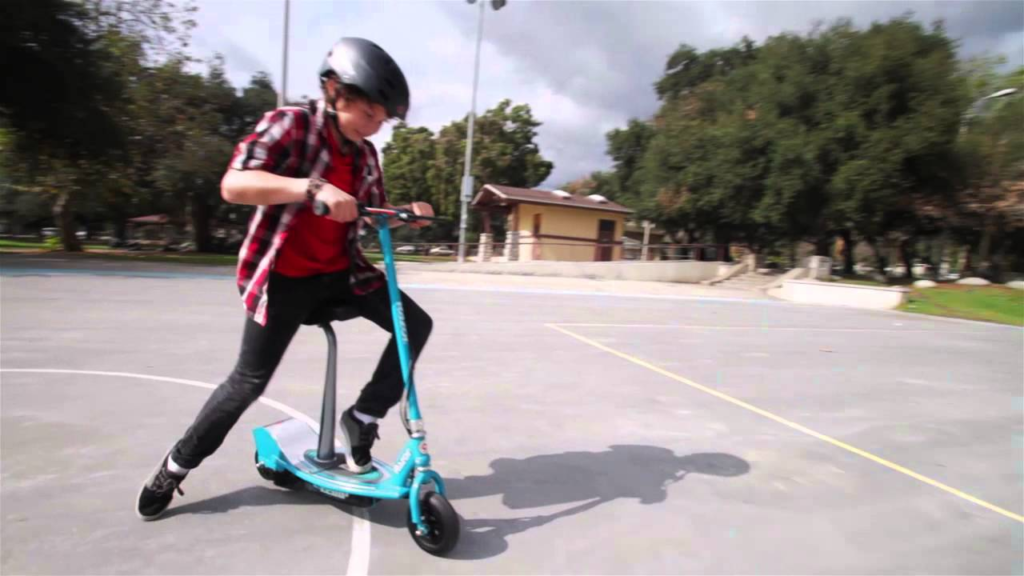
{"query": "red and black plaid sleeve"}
(277, 144)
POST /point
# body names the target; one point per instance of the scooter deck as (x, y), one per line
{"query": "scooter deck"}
(283, 446)
(338, 470)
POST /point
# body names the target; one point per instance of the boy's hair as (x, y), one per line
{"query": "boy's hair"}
(349, 92)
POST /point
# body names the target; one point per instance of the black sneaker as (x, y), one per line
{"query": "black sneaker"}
(360, 437)
(158, 491)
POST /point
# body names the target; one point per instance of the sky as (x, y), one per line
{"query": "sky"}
(585, 67)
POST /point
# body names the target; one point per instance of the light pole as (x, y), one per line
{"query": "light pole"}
(467, 180)
(281, 98)
(977, 108)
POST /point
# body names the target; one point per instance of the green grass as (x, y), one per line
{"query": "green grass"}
(993, 303)
(174, 257)
(21, 244)
(15, 245)
(986, 303)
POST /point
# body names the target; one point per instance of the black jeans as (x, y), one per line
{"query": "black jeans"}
(291, 301)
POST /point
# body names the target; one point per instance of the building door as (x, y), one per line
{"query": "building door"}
(605, 237)
(536, 237)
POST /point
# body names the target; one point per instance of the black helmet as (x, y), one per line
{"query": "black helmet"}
(363, 64)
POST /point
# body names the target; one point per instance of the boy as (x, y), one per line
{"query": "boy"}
(293, 261)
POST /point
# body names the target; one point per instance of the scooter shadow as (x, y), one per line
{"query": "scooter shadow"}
(585, 479)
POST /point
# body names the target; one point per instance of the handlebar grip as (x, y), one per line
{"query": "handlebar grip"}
(320, 208)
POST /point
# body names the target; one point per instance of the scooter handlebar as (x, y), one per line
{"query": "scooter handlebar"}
(320, 208)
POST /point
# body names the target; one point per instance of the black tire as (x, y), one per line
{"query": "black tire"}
(442, 523)
(282, 478)
(286, 480)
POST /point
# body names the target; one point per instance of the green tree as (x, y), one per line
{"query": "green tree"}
(838, 132)
(687, 68)
(419, 165)
(627, 148)
(66, 105)
(991, 153)
(409, 156)
(55, 103)
(688, 175)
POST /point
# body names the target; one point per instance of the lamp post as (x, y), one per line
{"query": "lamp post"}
(977, 108)
(467, 180)
(281, 98)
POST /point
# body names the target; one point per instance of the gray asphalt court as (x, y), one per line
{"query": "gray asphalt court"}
(579, 433)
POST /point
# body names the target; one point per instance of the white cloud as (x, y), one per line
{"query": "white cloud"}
(584, 67)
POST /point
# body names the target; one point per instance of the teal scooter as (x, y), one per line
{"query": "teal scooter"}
(292, 454)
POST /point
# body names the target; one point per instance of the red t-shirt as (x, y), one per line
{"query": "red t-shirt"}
(315, 244)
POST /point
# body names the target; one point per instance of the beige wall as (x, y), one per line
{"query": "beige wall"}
(561, 221)
(838, 294)
(678, 271)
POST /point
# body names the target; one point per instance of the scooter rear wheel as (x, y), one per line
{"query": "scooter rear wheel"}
(442, 525)
(281, 478)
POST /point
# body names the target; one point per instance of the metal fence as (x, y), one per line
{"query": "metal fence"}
(560, 250)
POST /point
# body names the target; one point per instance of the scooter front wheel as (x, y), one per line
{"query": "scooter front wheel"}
(442, 525)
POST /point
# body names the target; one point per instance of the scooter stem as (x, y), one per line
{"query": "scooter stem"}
(398, 315)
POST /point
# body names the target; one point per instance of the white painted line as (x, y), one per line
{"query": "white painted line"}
(359, 557)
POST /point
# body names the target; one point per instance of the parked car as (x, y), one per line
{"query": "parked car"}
(405, 249)
(441, 251)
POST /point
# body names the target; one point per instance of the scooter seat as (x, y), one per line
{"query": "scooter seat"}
(328, 314)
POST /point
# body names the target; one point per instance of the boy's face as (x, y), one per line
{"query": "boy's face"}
(359, 119)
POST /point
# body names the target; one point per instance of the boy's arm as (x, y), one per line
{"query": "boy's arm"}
(259, 188)
(256, 188)
(254, 174)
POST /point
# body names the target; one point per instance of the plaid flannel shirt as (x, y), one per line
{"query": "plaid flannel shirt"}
(293, 142)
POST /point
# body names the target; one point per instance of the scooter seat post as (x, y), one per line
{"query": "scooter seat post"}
(325, 451)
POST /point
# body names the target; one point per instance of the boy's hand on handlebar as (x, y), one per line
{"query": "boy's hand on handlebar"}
(342, 205)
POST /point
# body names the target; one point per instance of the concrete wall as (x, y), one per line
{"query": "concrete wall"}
(561, 221)
(836, 294)
(690, 272)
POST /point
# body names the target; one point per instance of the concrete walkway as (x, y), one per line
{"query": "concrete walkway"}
(411, 273)
(446, 275)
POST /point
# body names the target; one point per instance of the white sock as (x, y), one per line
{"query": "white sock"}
(174, 467)
(366, 418)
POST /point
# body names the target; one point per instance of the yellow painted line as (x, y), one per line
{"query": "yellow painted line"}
(793, 425)
(762, 328)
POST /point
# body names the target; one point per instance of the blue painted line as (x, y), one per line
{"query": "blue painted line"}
(411, 286)
(122, 273)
